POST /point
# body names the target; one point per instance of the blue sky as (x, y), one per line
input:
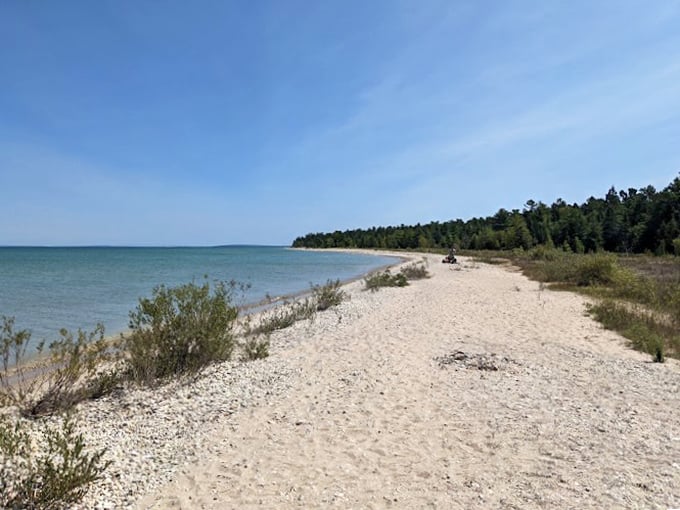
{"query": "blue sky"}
(203, 123)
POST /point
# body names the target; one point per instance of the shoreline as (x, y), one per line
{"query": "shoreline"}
(268, 304)
(109, 282)
(248, 309)
(473, 388)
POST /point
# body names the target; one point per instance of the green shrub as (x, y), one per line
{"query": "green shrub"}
(415, 271)
(106, 382)
(328, 295)
(628, 285)
(543, 252)
(52, 473)
(547, 265)
(385, 279)
(255, 347)
(58, 377)
(322, 298)
(180, 330)
(15, 385)
(595, 269)
(281, 317)
(73, 364)
(645, 339)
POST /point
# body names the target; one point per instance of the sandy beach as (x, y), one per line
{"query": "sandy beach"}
(475, 388)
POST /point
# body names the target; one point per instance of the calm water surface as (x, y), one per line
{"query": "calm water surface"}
(46, 289)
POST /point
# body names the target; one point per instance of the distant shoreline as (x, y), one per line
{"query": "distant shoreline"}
(278, 300)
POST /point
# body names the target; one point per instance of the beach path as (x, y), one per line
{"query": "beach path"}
(475, 388)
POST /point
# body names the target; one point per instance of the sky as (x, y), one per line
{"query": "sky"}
(137, 122)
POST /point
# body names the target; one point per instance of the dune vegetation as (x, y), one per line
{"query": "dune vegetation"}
(176, 332)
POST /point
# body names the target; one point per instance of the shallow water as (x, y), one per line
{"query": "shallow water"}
(46, 289)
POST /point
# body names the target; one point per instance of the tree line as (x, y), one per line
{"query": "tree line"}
(631, 221)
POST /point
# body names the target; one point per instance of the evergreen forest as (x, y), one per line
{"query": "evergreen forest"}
(630, 221)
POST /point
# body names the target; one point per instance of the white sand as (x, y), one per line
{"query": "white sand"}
(369, 418)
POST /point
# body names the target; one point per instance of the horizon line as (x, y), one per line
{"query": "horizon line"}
(236, 245)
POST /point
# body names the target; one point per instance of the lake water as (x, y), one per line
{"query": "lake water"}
(46, 289)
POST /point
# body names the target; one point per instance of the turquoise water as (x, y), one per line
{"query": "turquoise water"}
(46, 289)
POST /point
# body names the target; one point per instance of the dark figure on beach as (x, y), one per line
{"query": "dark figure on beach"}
(451, 257)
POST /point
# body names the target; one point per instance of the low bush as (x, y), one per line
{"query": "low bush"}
(415, 271)
(551, 269)
(375, 281)
(543, 252)
(106, 381)
(328, 295)
(15, 386)
(72, 370)
(631, 286)
(255, 347)
(281, 317)
(323, 297)
(58, 377)
(595, 269)
(52, 472)
(180, 330)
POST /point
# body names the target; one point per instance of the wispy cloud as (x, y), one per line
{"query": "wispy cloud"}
(408, 113)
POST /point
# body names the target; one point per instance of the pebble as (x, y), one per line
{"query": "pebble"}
(149, 433)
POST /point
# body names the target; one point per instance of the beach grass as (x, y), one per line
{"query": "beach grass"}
(320, 298)
(637, 296)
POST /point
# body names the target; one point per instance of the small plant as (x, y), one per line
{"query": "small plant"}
(14, 387)
(658, 354)
(180, 330)
(328, 295)
(385, 279)
(106, 382)
(50, 473)
(255, 347)
(543, 252)
(282, 317)
(415, 271)
(73, 364)
(597, 269)
(60, 376)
